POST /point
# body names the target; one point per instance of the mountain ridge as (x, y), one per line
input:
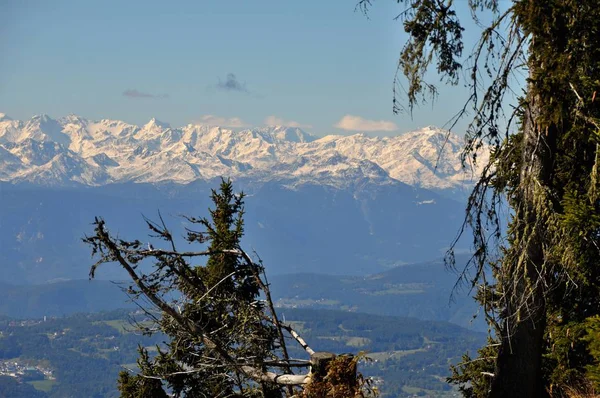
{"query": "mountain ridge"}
(74, 150)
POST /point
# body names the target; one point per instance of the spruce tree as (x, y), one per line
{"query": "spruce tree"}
(219, 300)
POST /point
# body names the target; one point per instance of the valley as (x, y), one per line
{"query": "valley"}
(82, 354)
(347, 227)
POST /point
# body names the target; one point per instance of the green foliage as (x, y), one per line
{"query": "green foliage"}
(137, 386)
(431, 33)
(224, 231)
(142, 384)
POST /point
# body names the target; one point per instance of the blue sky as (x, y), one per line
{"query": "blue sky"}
(312, 63)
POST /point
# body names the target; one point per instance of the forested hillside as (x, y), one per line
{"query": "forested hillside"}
(83, 354)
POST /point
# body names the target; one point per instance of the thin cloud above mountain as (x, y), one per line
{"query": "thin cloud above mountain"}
(357, 123)
(277, 121)
(213, 120)
(134, 93)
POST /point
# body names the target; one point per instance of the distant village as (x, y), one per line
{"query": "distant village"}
(24, 372)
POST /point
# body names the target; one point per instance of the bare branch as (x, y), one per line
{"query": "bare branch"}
(299, 339)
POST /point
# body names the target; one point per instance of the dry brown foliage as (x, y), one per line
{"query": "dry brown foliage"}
(342, 381)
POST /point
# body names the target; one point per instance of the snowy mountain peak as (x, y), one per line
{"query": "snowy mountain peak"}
(77, 150)
(4, 117)
(155, 124)
(73, 119)
(44, 128)
(291, 134)
(431, 128)
(41, 118)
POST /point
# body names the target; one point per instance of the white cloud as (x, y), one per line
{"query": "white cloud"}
(213, 120)
(357, 123)
(277, 121)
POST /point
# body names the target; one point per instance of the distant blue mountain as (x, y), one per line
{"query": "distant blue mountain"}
(310, 228)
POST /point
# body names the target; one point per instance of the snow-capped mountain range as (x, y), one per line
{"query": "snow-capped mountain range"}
(74, 150)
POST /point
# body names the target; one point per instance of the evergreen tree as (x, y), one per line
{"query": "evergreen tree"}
(544, 295)
(224, 321)
(139, 386)
(223, 335)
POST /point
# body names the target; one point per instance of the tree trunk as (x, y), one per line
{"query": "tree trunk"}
(518, 366)
(518, 370)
